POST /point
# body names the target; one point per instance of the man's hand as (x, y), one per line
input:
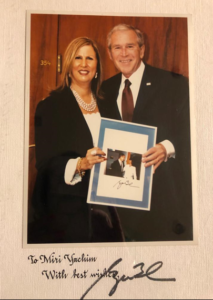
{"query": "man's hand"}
(154, 156)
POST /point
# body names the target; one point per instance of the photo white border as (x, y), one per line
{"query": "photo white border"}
(93, 170)
(192, 123)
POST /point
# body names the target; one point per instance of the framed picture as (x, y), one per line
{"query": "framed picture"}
(122, 180)
(125, 204)
(168, 232)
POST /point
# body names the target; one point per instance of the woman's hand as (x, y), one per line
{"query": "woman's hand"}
(94, 156)
(155, 156)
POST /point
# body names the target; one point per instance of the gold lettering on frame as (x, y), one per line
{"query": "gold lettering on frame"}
(45, 63)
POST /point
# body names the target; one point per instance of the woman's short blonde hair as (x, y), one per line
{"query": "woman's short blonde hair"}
(68, 60)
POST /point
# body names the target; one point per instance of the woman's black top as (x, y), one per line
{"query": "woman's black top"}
(61, 133)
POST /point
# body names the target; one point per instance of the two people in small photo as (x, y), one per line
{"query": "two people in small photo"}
(123, 168)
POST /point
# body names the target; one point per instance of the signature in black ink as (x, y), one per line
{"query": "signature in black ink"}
(111, 273)
(122, 182)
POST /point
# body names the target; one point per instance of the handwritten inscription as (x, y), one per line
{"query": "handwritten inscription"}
(124, 182)
(84, 258)
(79, 275)
(111, 272)
(53, 259)
(118, 279)
(55, 275)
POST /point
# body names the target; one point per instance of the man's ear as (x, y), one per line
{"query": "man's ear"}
(109, 53)
(142, 51)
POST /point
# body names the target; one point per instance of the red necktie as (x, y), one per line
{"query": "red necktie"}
(127, 102)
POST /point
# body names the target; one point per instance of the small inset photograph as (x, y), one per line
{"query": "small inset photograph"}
(123, 164)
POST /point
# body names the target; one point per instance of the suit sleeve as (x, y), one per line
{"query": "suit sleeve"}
(182, 142)
(49, 149)
(55, 146)
(181, 129)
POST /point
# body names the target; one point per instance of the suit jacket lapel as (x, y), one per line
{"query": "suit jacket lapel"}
(146, 91)
(112, 95)
(81, 124)
(115, 92)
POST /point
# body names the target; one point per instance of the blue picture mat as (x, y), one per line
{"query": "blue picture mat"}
(128, 127)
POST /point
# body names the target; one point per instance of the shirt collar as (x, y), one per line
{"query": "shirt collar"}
(135, 78)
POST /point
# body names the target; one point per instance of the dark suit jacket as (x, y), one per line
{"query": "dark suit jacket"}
(62, 214)
(116, 169)
(163, 101)
(61, 133)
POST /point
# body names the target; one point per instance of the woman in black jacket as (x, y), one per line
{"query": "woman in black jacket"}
(66, 133)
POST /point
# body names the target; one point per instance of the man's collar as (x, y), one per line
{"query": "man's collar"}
(136, 76)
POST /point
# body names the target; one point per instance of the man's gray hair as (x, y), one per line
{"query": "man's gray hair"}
(124, 27)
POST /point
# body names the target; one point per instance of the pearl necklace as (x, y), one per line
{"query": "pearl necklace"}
(88, 107)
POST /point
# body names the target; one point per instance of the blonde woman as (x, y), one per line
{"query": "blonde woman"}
(66, 133)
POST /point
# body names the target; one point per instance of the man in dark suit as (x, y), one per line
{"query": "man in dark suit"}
(146, 95)
(117, 167)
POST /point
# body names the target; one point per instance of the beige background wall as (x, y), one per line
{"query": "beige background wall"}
(191, 265)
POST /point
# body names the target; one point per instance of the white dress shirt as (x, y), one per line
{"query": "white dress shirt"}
(135, 80)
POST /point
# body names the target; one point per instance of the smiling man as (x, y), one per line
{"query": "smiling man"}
(146, 95)
(126, 50)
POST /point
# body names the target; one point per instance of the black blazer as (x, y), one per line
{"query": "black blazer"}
(61, 211)
(163, 102)
(116, 169)
(61, 133)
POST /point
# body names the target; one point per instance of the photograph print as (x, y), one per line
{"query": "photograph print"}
(134, 71)
(122, 180)
(123, 164)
